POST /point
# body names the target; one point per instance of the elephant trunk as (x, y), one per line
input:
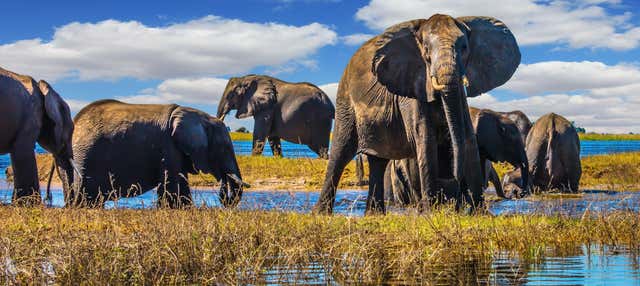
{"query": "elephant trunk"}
(67, 172)
(454, 114)
(232, 185)
(223, 108)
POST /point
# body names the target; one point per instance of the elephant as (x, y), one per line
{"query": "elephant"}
(498, 140)
(124, 150)
(296, 112)
(404, 94)
(553, 152)
(521, 120)
(33, 112)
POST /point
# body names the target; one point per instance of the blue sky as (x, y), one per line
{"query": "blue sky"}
(580, 58)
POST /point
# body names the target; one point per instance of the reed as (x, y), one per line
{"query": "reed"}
(209, 246)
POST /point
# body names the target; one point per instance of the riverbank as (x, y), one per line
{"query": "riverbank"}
(239, 136)
(615, 172)
(203, 246)
(608, 137)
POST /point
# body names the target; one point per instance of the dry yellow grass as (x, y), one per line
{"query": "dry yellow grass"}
(209, 246)
(262, 172)
(608, 172)
(608, 137)
(240, 136)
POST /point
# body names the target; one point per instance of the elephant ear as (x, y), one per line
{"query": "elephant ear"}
(57, 110)
(260, 96)
(494, 54)
(190, 136)
(397, 62)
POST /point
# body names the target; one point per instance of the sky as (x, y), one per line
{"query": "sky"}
(580, 59)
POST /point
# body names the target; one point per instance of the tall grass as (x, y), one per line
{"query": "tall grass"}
(203, 246)
(240, 136)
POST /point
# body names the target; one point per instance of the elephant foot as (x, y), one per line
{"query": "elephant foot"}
(321, 209)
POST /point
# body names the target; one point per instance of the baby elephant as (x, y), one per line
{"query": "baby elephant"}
(499, 140)
(553, 151)
(124, 150)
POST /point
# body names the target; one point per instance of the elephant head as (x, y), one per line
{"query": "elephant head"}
(447, 59)
(514, 185)
(249, 95)
(206, 143)
(499, 140)
(55, 135)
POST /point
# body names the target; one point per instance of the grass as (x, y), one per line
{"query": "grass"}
(608, 137)
(240, 136)
(203, 246)
(262, 172)
(615, 172)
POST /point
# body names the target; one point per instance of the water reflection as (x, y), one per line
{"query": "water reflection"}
(352, 202)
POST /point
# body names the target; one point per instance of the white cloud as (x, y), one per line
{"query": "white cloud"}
(76, 105)
(182, 90)
(596, 114)
(557, 76)
(583, 24)
(209, 46)
(599, 97)
(356, 39)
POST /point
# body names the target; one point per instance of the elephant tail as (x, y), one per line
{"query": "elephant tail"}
(552, 158)
(48, 198)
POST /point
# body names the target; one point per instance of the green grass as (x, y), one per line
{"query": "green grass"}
(608, 137)
(203, 246)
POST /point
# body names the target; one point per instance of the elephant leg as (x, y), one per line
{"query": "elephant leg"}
(174, 191)
(426, 156)
(375, 199)
(343, 148)
(276, 147)
(495, 180)
(25, 172)
(360, 169)
(261, 130)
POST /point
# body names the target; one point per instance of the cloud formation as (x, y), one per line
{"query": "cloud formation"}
(209, 46)
(578, 24)
(356, 39)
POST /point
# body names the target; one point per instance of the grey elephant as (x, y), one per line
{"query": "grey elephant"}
(124, 150)
(498, 141)
(404, 94)
(33, 112)
(296, 112)
(553, 151)
(521, 120)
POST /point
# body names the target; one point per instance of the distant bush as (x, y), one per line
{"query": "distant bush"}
(242, 130)
(578, 128)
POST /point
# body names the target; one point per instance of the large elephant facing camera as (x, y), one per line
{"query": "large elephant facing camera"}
(33, 112)
(499, 140)
(296, 112)
(124, 150)
(404, 94)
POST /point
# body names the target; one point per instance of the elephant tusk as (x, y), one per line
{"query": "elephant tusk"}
(434, 83)
(222, 117)
(75, 168)
(465, 81)
(238, 181)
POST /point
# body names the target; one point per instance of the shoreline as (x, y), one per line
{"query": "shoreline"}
(611, 172)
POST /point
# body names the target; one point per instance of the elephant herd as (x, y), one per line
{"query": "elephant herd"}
(402, 102)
